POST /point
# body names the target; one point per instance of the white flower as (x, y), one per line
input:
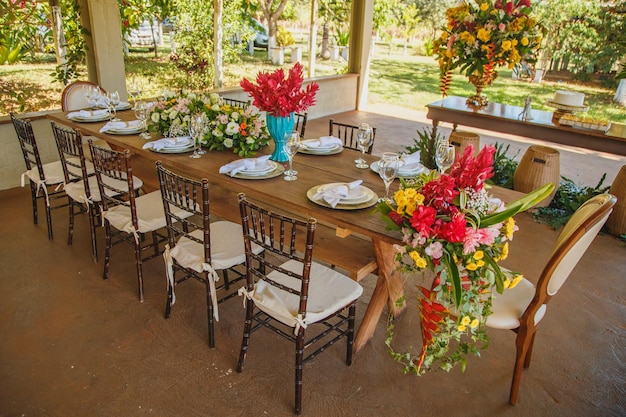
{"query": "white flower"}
(214, 97)
(155, 117)
(228, 143)
(232, 128)
(234, 115)
(173, 115)
(215, 107)
(250, 140)
(165, 116)
(217, 133)
(186, 119)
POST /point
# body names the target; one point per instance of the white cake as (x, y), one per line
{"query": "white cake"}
(569, 98)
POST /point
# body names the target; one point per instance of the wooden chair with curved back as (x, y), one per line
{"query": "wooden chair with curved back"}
(73, 96)
(348, 134)
(521, 308)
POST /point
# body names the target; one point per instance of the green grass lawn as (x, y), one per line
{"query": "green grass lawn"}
(395, 78)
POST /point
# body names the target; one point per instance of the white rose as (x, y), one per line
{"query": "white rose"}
(250, 140)
(215, 107)
(155, 117)
(217, 133)
(165, 116)
(232, 128)
(234, 115)
(214, 97)
(228, 143)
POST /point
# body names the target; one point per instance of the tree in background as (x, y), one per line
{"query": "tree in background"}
(133, 12)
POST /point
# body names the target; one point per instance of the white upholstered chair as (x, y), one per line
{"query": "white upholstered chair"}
(522, 307)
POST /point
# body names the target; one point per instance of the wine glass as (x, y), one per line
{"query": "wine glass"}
(197, 129)
(364, 141)
(141, 113)
(388, 167)
(96, 96)
(288, 136)
(291, 148)
(444, 156)
(135, 91)
(88, 92)
(114, 100)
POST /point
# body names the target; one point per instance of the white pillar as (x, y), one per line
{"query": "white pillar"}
(360, 45)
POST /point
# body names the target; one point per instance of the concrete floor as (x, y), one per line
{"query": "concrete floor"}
(75, 345)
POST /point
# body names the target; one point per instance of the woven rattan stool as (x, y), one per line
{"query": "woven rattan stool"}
(539, 165)
(617, 220)
(461, 140)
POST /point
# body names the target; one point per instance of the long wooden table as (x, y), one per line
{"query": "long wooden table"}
(291, 197)
(504, 118)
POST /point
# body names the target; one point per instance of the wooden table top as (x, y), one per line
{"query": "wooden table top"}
(291, 197)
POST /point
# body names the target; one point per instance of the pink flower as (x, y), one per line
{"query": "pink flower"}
(502, 27)
(434, 250)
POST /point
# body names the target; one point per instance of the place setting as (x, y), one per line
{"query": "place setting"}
(409, 166)
(181, 144)
(89, 116)
(324, 145)
(253, 168)
(343, 196)
(121, 127)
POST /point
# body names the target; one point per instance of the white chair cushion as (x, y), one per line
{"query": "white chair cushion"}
(53, 173)
(76, 190)
(150, 214)
(227, 248)
(509, 306)
(329, 291)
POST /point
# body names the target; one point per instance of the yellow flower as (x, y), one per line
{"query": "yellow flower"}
(467, 37)
(509, 228)
(506, 45)
(480, 264)
(444, 36)
(474, 323)
(506, 283)
(505, 251)
(465, 321)
(516, 281)
(419, 261)
(484, 34)
(484, 6)
(448, 53)
(471, 266)
(525, 41)
(461, 328)
(478, 255)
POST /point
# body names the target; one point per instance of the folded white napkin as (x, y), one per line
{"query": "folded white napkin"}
(159, 144)
(333, 195)
(87, 113)
(133, 124)
(323, 142)
(239, 165)
(410, 163)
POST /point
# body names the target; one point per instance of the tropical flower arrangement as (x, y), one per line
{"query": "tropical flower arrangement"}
(242, 130)
(278, 95)
(481, 35)
(452, 227)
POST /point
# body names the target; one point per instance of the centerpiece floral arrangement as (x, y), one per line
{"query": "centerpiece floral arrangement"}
(279, 95)
(481, 35)
(229, 127)
(454, 228)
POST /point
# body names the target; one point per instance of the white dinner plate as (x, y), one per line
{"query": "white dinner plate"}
(268, 167)
(91, 119)
(356, 195)
(124, 105)
(371, 200)
(401, 173)
(321, 151)
(177, 149)
(125, 131)
(305, 144)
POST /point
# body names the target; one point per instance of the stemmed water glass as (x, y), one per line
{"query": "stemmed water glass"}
(141, 113)
(388, 167)
(197, 129)
(364, 141)
(292, 144)
(135, 91)
(88, 92)
(444, 156)
(113, 101)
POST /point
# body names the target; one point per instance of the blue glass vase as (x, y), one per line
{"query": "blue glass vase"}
(278, 126)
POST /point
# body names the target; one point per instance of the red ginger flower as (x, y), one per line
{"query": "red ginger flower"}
(471, 172)
(280, 96)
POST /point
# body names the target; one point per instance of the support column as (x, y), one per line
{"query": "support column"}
(361, 25)
(105, 54)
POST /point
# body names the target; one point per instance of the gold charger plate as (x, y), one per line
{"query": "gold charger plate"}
(369, 203)
(274, 173)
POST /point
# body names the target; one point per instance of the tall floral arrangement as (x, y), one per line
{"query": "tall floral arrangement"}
(281, 95)
(241, 130)
(453, 227)
(481, 35)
